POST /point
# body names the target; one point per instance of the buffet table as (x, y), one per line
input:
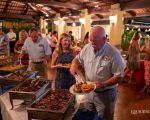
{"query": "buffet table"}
(19, 112)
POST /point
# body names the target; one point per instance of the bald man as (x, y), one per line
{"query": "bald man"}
(104, 66)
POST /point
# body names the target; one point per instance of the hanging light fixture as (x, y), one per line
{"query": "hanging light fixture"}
(139, 29)
(127, 28)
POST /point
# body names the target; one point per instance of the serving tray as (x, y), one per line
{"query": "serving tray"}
(54, 105)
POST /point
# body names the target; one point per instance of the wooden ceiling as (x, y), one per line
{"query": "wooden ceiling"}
(70, 9)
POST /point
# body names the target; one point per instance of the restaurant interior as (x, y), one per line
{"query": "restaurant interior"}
(21, 90)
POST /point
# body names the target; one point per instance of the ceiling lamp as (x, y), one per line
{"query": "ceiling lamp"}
(139, 29)
(127, 28)
(47, 15)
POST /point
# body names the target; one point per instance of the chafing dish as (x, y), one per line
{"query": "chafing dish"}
(6, 60)
(52, 105)
(16, 77)
(29, 90)
(12, 67)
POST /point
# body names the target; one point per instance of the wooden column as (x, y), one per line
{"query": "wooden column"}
(116, 26)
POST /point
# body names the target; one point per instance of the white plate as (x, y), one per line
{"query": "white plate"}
(76, 93)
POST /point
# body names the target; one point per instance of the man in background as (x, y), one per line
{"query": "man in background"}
(4, 43)
(39, 52)
(12, 39)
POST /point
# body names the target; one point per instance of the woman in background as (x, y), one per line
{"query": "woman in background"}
(86, 39)
(63, 55)
(18, 46)
(133, 61)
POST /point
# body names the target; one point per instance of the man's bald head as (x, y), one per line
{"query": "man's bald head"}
(97, 37)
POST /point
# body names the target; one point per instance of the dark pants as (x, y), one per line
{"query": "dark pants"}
(12, 45)
(103, 103)
(85, 115)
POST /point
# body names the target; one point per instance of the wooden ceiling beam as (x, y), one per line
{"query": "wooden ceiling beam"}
(6, 6)
(52, 3)
(131, 12)
(15, 16)
(70, 14)
(135, 5)
(99, 16)
(26, 9)
(55, 9)
(94, 11)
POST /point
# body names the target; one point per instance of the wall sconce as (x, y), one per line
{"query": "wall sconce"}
(46, 24)
(112, 18)
(82, 20)
(73, 24)
(56, 22)
(91, 21)
(63, 23)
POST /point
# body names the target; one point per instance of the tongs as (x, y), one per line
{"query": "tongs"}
(79, 78)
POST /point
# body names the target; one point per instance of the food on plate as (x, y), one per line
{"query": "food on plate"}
(84, 87)
(66, 64)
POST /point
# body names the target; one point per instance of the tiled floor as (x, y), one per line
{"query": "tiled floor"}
(131, 105)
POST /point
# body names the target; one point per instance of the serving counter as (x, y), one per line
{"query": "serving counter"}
(19, 112)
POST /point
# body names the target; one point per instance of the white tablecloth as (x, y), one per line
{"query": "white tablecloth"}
(18, 113)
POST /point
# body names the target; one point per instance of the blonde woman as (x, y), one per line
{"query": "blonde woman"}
(18, 46)
(62, 56)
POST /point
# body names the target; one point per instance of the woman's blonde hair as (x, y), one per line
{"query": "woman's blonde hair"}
(23, 31)
(59, 48)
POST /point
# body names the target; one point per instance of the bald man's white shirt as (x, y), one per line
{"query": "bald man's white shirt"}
(104, 64)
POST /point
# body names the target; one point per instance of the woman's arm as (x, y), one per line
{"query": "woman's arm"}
(53, 62)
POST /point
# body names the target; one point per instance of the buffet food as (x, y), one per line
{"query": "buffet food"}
(55, 100)
(52, 105)
(11, 67)
(18, 75)
(29, 90)
(31, 85)
(83, 87)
